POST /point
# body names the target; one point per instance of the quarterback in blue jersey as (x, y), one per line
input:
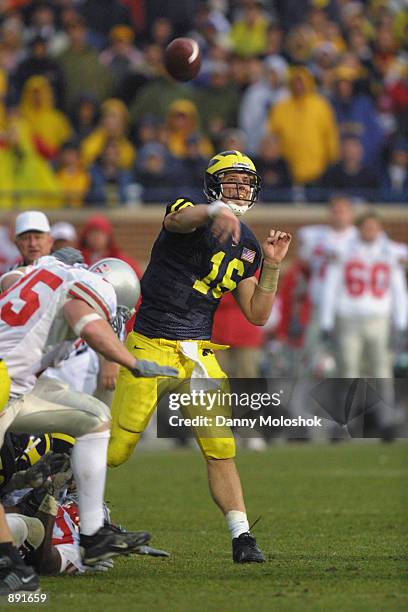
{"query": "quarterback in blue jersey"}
(202, 252)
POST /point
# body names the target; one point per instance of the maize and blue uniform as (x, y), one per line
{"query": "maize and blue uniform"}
(181, 289)
(21, 451)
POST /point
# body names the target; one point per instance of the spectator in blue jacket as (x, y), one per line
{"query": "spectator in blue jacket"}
(350, 175)
(109, 182)
(158, 173)
(356, 114)
(394, 182)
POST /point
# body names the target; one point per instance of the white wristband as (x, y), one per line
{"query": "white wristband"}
(215, 207)
(79, 325)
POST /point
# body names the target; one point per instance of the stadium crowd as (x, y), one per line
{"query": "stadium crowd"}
(316, 91)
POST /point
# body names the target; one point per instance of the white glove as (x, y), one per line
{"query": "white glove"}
(150, 369)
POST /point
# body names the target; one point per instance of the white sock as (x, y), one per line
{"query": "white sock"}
(237, 522)
(89, 469)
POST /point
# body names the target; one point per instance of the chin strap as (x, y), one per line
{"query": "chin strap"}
(216, 205)
(238, 210)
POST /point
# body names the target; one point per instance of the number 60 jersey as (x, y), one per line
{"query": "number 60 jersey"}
(32, 321)
(366, 280)
(186, 277)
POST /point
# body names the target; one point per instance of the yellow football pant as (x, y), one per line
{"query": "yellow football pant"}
(4, 385)
(135, 399)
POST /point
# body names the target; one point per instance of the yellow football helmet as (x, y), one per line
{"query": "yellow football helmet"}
(231, 161)
(35, 447)
(62, 443)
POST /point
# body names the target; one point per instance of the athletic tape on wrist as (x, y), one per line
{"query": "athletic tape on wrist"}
(268, 281)
(79, 325)
(215, 207)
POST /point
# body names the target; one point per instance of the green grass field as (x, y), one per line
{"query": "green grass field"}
(333, 527)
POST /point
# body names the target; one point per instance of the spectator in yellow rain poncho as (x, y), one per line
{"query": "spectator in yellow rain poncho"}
(248, 35)
(182, 122)
(73, 179)
(49, 126)
(26, 179)
(305, 126)
(112, 127)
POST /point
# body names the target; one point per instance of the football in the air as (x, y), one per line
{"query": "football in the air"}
(182, 59)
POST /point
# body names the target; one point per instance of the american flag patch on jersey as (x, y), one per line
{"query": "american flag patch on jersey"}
(248, 255)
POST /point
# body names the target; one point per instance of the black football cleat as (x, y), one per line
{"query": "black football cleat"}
(246, 550)
(108, 542)
(140, 550)
(17, 578)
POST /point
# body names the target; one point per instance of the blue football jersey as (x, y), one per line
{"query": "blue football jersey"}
(186, 277)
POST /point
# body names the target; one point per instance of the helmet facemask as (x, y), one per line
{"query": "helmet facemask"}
(233, 191)
(217, 186)
(123, 314)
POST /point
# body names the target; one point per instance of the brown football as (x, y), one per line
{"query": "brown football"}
(182, 59)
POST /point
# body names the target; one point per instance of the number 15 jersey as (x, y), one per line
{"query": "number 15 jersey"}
(32, 321)
(186, 277)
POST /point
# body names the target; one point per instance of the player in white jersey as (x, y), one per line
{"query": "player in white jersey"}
(32, 320)
(46, 307)
(318, 243)
(79, 369)
(365, 293)
(34, 240)
(50, 541)
(400, 249)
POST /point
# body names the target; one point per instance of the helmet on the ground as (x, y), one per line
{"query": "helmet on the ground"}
(219, 166)
(126, 285)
